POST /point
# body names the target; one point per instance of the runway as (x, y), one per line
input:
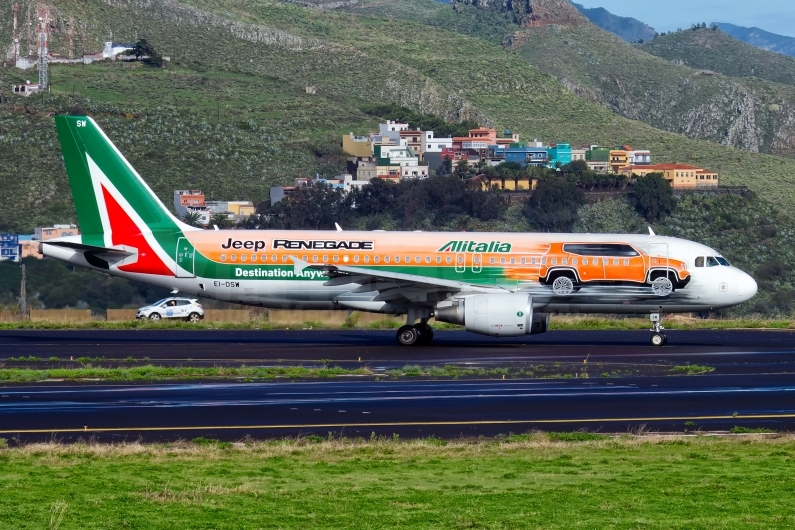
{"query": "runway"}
(752, 385)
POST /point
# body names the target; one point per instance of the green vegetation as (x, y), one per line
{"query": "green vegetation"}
(704, 49)
(515, 481)
(692, 369)
(749, 430)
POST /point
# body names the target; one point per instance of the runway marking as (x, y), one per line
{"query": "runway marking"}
(398, 424)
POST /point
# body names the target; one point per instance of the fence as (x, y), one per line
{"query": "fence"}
(61, 315)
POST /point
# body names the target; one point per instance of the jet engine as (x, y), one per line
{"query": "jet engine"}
(497, 315)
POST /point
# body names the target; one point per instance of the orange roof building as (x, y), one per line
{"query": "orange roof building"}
(680, 176)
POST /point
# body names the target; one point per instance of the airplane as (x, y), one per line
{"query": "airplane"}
(496, 284)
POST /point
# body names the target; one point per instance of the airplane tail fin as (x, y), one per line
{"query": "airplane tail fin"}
(115, 207)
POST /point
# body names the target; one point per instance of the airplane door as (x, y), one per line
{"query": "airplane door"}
(460, 262)
(658, 255)
(477, 262)
(184, 259)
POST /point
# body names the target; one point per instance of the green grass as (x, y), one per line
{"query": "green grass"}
(515, 482)
(692, 369)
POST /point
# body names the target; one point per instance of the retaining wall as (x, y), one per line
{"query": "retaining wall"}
(60, 315)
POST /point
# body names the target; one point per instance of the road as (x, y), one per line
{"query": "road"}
(753, 385)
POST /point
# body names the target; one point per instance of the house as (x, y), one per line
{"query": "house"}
(191, 201)
(397, 162)
(29, 247)
(112, 49)
(558, 154)
(578, 154)
(343, 182)
(526, 156)
(431, 144)
(9, 247)
(25, 90)
(51, 232)
(233, 210)
(357, 146)
(598, 158)
(680, 176)
(619, 158)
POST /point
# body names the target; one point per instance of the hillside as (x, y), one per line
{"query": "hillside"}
(231, 115)
(628, 28)
(705, 49)
(761, 38)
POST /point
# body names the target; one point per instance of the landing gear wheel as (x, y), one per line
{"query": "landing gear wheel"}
(563, 286)
(194, 317)
(426, 333)
(662, 286)
(154, 316)
(408, 335)
(658, 339)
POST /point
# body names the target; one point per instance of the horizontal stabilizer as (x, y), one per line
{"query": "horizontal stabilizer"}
(100, 257)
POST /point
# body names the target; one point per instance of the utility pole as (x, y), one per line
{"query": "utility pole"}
(16, 37)
(23, 296)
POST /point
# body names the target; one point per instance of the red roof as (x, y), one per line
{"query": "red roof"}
(669, 167)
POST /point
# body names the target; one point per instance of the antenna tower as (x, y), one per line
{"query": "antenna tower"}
(16, 38)
(44, 33)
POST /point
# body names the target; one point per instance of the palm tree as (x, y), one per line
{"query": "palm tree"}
(192, 218)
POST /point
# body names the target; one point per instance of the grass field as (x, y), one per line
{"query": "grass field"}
(526, 481)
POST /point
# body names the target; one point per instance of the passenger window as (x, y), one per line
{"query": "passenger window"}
(574, 261)
(543, 261)
(397, 259)
(242, 257)
(376, 259)
(253, 257)
(325, 258)
(367, 259)
(477, 260)
(585, 261)
(615, 261)
(439, 259)
(564, 261)
(491, 260)
(314, 258)
(417, 259)
(427, 259)
(502, 260)
(513, 261)
(356, 259)
(712, 262)
(626, 261)
(305, 257)
(533, 261)
(700, 261)
(223, 257)
(554, 261)
(284, 258)
(234, 257)
(336, 259)
(386, 259)
(448, 260)
(523, 261)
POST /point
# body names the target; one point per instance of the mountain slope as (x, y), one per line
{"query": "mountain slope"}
(705, 49)
(761, 38)
(628, 28)
(232, 116)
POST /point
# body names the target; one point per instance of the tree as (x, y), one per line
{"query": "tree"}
(654, 198)
(192, 218)
(461, 169)
(142, 48)
(221, 220)
(446, 167)
(554, 204)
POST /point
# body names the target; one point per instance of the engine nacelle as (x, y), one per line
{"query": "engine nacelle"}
(497, 315)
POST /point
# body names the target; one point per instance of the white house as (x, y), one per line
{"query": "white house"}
(431, 144)
(112, 49)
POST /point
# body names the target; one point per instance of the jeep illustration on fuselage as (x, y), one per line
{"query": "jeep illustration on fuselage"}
(566, 267)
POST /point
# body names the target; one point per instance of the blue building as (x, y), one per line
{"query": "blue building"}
(10, 250)
(559, 153)
(527, 156)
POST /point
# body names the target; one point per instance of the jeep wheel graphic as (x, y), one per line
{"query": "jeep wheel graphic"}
(563, 286)
(662, 286)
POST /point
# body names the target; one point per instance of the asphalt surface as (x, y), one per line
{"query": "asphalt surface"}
(753, 385)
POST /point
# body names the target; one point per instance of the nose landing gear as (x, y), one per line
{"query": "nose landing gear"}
(658, 338)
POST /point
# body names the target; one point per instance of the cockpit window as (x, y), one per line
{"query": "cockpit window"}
(723, 261)
(700, 261)
(712, 262)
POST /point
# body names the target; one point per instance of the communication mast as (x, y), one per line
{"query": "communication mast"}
(44, 33)
(16, 38)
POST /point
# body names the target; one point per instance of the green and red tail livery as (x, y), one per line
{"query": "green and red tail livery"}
(115, 207)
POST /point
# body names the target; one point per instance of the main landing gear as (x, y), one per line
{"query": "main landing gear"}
(409, 335)
(658, 338)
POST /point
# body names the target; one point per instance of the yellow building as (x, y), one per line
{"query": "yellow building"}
(523, 184)
(241, 208)
(679, 176)
(619, 158)
(358, 146)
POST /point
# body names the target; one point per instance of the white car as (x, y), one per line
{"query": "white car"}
(182, 308)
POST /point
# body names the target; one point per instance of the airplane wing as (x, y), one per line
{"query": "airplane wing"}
(391, 286)
(100, 257)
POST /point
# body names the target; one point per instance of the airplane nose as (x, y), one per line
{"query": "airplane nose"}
(746, 287)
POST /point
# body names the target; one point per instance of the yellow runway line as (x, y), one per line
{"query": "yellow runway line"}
(397, 424)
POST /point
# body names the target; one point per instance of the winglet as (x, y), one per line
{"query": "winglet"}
(339, 228)
(651, 232)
